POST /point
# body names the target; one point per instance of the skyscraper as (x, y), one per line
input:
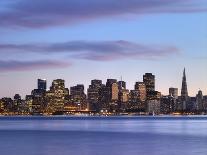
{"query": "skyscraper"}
(93, 93)
(112, 86)
(199, 101)
(58, 90)
(78, 96)
(42, 84)
(122, 85)
(173, 92)
(184, 92)
(149, 81)
(141, 88)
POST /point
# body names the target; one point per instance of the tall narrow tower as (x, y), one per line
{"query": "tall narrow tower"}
(184, 90)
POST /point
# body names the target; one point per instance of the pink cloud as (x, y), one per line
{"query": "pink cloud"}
(10, 66)
(47, 13)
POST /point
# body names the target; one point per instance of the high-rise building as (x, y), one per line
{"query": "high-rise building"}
(122, 85)
(42, 84)
(153, 106)
(17, 103)
(167, 104)
(114, 92)
(57, 91)
(93, 93)
(78, 96)
(149, 81)
(141, 88)
(173, 92)
(199, 101)
(184, 92)
(112, 86)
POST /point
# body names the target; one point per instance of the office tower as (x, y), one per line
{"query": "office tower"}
(7, 104)
(173, 92)
(29, 101)
(93, 93)
(104, 98)
(199, 101)
(121, 85)
(78, 96)
(109, 82)
(167, 104)
(17, 103)
(113, 90)
(184, 92)
(42, 84)
(57, 94)
(96, 83)
(153, 95)
(124, 96)
(153, 106)
(37, 101)
(141, 88)
(149, 81)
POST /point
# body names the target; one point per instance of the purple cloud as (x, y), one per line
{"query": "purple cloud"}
(46, 13)
(94, 50)
(9, 66)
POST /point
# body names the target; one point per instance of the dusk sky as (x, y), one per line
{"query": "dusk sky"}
(81, 40)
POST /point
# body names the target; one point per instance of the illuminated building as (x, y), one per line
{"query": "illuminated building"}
(199, 101)
(153, 106)
(123, 99)
(17, 103)
(121, 85)
(42, 84)
(93, 93)
(37, 101)
(173, 92)
(184, 93)
(57, 93)
(78, 96)
(29, 102)
(112, 86)
(141, 89)
(167, 104)
(7, 104)
(149, 81)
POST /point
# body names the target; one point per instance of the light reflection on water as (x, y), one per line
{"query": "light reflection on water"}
(95, 135)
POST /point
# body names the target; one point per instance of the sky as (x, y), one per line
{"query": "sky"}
(78, 41)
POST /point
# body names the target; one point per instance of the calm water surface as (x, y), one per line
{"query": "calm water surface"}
(103, 135)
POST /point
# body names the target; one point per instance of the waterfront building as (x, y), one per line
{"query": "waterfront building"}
(78, 96)
(121, 85)
(42, 84)
(173, 92)
(153, 106)
(184, 93)
(167, 104)
(93, 93)
(142, 92)
(199, 101)
(149, 81)
(57, 93)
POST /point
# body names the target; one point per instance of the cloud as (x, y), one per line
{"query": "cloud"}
(47, 13)
(95, 50)
(13, 65)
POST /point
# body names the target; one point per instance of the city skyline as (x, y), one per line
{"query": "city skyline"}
(42, 83)
(81, 40)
